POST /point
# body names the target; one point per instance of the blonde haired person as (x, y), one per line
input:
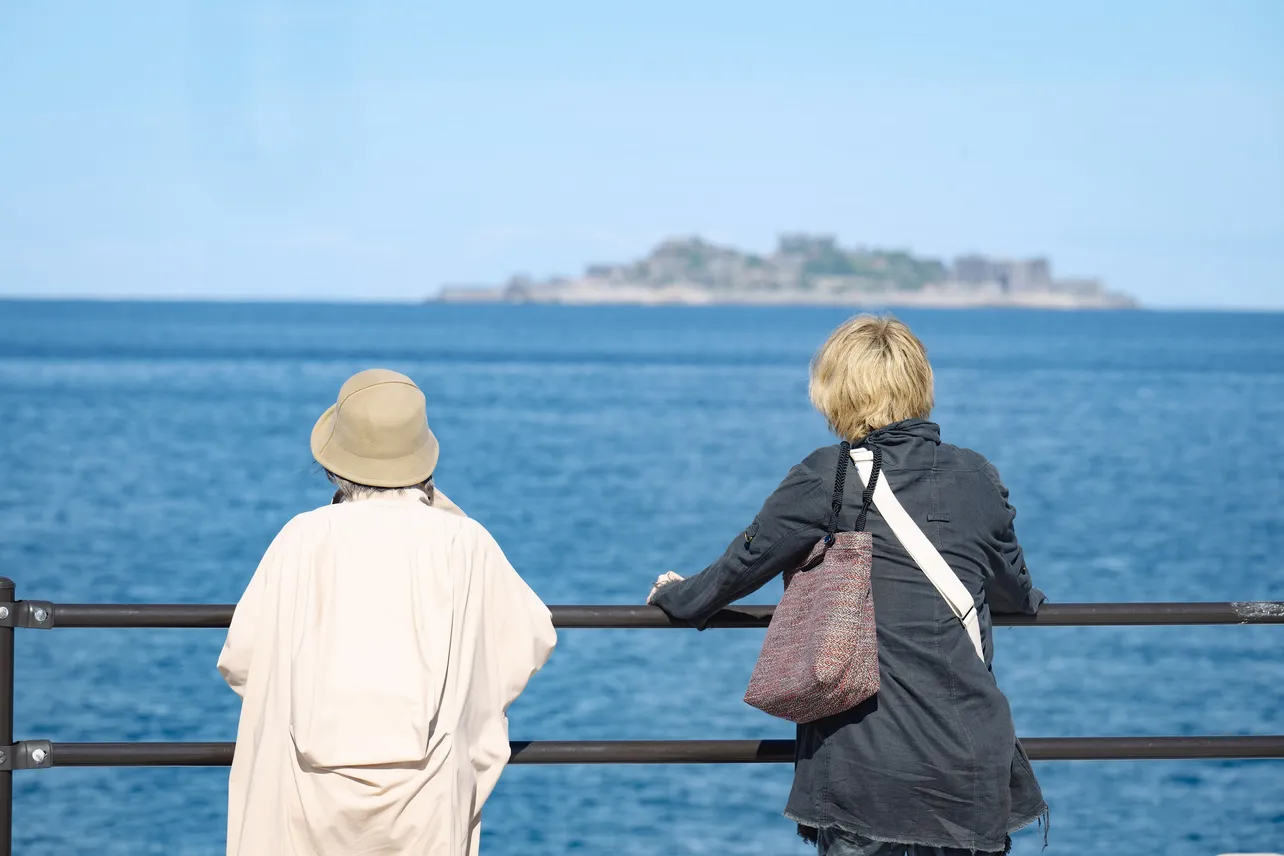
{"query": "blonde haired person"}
(931, 764)
(376, 650)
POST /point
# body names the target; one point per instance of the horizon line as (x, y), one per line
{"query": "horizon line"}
(344, 300)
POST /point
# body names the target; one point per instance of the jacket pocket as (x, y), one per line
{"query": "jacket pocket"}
(348, 709)
(363, 729)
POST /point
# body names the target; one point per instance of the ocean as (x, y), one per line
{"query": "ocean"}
(149, 452)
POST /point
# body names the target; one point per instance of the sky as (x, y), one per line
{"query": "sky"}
(336, 150)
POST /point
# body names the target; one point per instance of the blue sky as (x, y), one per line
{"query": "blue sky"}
(335, 150)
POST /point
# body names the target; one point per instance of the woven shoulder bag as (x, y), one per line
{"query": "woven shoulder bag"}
(820, 656)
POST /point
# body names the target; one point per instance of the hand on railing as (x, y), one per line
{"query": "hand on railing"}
(665, 578)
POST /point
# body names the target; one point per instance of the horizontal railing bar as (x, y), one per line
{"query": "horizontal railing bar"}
(1051, 615)
(175, 615)
(700, 751)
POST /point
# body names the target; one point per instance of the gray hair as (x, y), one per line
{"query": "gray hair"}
(350, 490)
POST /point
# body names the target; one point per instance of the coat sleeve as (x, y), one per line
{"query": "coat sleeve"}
(1009, 587)
(238, 647)
(519, 627)
(517, 640)
(792, 519)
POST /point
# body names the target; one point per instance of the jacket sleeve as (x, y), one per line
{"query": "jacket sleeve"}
(238, 648)
(1009, 587)
(520, 636)
(516, 640)
(792, 519)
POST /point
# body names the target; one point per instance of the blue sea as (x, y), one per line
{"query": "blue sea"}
(149, 452)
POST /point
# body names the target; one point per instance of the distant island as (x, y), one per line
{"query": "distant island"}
(808, 270)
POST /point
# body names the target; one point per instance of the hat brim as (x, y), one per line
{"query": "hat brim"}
(405, 471)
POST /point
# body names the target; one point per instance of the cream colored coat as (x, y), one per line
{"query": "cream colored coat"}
(375, 651)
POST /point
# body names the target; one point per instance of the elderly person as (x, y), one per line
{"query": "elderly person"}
(931, 763)
(376, 650)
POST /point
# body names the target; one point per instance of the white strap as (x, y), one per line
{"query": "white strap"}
(921, 550)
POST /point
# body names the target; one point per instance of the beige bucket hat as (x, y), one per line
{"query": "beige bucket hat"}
(377, 432)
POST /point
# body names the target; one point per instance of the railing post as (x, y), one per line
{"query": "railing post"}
(6, 716)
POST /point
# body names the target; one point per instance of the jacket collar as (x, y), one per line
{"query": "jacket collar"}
(907, 431)
(409, 494)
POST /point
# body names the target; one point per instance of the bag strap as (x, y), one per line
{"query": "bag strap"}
(840, 482)
(926, 556)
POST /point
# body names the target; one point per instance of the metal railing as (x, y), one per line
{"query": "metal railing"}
(42, 754)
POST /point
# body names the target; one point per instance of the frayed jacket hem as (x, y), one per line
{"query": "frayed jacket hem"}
(975, 846)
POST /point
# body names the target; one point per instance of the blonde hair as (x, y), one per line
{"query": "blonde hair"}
(871, 371)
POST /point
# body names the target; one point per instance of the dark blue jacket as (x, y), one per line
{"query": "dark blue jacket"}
(933, 758)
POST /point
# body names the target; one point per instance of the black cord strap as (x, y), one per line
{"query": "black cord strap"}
(840, 482)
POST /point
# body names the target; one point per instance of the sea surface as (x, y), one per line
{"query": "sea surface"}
(149, 452)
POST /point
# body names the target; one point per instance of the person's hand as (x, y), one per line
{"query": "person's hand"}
(664, 580)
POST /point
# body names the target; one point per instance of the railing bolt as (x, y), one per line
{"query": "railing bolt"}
(39, 755)
(3, 756)
(41, 615)
(4, 612)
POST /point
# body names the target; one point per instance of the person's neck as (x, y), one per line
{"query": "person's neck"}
(407, 494)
